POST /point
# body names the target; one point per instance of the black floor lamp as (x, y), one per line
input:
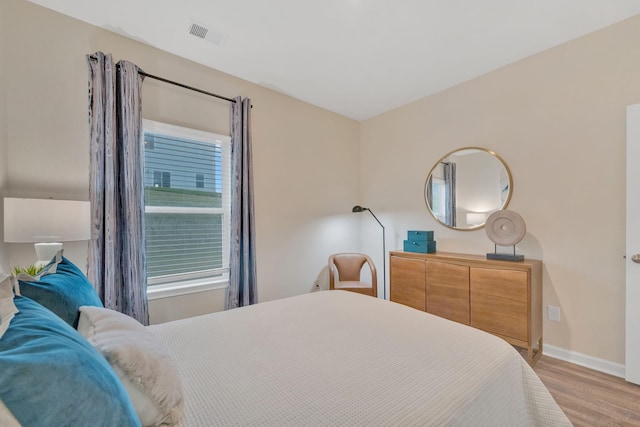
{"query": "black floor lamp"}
(359, 209)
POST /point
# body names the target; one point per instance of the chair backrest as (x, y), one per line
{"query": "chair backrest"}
(349, 266)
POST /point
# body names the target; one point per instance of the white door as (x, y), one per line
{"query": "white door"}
(632, 335)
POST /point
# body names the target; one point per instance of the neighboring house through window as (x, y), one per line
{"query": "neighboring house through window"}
(186, 219)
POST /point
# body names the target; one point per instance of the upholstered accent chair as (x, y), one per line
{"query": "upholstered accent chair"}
(344, 273)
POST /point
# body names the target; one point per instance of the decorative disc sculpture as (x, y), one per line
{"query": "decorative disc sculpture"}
(505, 228)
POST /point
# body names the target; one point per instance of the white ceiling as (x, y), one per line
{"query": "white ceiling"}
(358, 58)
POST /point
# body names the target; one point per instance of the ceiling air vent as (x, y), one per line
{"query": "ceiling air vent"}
(198, 31)
(206, 33)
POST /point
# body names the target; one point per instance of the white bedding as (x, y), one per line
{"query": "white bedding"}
(340, 358)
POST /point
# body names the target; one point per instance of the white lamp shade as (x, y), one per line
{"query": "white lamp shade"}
(46, 220)
(476, 218)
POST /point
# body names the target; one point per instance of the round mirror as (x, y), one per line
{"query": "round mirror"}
(466, 186)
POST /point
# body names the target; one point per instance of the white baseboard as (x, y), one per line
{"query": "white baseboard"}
(590, 362)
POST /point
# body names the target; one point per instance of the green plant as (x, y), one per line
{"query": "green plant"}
(31, 270)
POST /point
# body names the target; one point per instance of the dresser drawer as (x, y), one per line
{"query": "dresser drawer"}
(508, 284)
(407, 282)
(447, 288)
(500, 316)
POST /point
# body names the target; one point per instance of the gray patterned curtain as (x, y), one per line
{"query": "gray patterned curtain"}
(116, 263)
(450, 189)
(243, 289)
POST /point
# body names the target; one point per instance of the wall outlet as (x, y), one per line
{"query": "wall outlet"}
(553, 313)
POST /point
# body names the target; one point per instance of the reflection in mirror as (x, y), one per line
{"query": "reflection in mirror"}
(466, 186)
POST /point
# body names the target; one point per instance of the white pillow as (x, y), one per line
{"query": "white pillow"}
(146, 369)
(7, 307)
(6, 417)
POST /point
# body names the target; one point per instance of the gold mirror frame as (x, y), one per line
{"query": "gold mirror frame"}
(505, 174)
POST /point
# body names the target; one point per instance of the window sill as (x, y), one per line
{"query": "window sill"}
(169, 290)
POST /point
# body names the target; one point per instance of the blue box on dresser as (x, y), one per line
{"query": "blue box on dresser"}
(424, 247)
(420, 236)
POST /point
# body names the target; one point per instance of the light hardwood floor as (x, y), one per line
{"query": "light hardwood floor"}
(588, 397)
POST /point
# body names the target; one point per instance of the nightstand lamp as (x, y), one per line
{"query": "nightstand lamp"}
(46, 223)
(476, 219)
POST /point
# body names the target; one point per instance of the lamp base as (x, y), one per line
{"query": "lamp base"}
(45, 252)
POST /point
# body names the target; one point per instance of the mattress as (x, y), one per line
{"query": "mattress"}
(341, 358)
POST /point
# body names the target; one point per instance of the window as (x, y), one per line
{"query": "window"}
(161, 179)
(439, 199)
(199, 180)
(186, 220)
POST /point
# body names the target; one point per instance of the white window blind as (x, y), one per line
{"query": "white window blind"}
(187, 208)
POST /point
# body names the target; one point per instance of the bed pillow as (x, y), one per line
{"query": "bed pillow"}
(7, 307)
(146, 369)
(52, 376)
(6, 417)
(62, 288)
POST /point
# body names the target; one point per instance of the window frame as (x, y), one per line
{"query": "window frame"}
(185, 283)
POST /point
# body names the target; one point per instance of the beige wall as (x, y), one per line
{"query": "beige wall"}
(558, 120)
(304, 156)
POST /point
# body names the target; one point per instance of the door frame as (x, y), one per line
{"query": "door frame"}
(632, 310)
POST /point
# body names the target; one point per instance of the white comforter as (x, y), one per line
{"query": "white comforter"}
(340, 358)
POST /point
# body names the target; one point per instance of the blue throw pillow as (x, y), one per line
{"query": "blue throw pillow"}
(51, 376)
(62, 288)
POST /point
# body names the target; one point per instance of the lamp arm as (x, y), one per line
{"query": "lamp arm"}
(374, 215)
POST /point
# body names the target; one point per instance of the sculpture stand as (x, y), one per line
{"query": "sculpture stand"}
(503, 256)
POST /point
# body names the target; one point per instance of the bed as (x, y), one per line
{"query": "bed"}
(325, 358)
(340, 358)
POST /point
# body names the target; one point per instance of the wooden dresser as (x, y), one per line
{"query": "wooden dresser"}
(500, 297)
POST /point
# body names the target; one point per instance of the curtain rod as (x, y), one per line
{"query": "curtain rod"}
(151, 76)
